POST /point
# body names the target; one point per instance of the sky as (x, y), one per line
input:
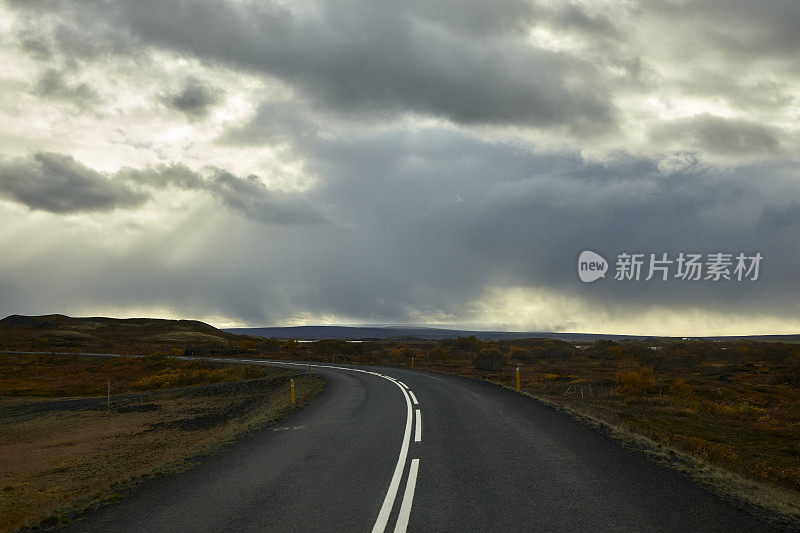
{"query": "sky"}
(433, 162)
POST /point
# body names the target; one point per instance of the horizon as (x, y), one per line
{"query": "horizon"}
(433, 327)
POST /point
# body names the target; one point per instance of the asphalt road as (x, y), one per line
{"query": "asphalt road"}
(469, 456)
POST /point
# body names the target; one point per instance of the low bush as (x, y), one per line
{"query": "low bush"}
(636, 381)
(489, 360)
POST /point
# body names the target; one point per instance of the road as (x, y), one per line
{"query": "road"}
(469, 456)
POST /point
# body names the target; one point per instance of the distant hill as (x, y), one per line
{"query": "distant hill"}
(410, 333)
(124, 335)
(428, 334)
(147, 335)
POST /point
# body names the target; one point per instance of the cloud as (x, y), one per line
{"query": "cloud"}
(247, 195)
(741, 30)
(54, 85)
(717, 135)
(451, 155)
(366, 59)
(35, 45)
(250, 196)
(59, 184)
(195, 98)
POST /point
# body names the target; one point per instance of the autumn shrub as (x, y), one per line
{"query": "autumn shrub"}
(489, 360)
(518, 353)
(636, 381)
(437, 354)
(681, 390)
(185, 376)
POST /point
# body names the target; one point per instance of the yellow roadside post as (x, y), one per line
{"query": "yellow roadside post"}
(517, 378)
(292, 391)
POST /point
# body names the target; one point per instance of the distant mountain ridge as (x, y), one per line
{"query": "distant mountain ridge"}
(422, 333)
(409, 333)
(28, 331)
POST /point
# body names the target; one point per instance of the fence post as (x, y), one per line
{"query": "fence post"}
(517, 372)
(412, 363)
(292, 386)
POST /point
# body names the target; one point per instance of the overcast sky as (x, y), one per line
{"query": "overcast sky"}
(419, 162)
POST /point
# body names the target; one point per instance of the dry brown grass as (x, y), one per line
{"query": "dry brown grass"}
(53, 462)
(76, 375)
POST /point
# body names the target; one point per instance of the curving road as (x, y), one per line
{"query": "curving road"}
(390, 449)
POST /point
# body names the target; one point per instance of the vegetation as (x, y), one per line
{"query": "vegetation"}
(74, 375)
(636, 381)
(56, 461)
(490, 360)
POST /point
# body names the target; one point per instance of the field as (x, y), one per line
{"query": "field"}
(59, 456)
(49, 375)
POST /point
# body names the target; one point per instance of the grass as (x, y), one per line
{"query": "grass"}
(56, 462)
(74, 375)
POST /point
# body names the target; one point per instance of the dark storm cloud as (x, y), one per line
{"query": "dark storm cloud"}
(60, 184)
(496, 215)
(477, 17)
(407, 221)
(499, 214)
(373, 57)
(195, 97)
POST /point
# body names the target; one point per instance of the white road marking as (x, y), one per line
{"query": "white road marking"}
(394, 484)
(391, 494)
(408, 497)
(403, 384)
(413, 398)
(418, 429)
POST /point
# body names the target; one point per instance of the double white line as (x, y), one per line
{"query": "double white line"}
(411, 482)
(394, 485)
